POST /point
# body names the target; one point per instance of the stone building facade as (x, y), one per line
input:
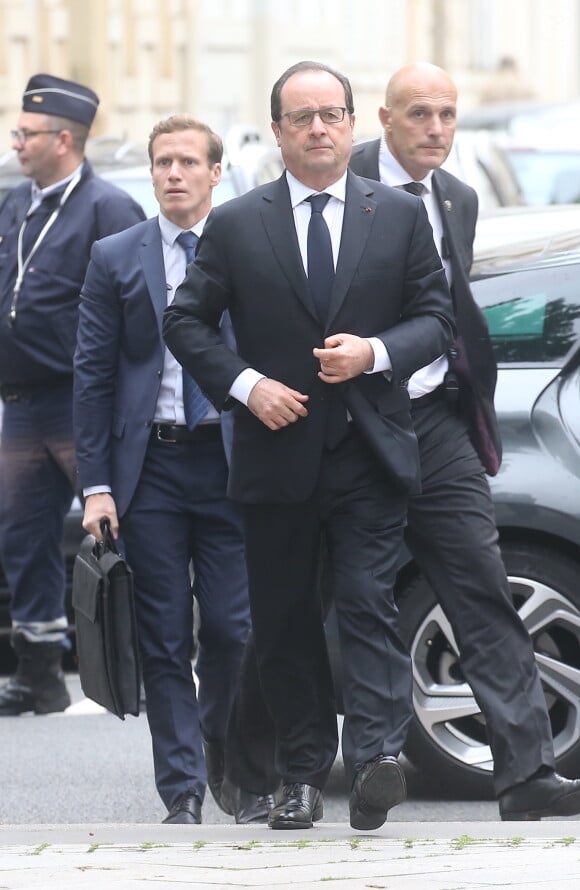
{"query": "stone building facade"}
(219, 58)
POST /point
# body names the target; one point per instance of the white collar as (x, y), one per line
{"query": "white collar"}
(170, 231)
(396, 175)
(300, 192)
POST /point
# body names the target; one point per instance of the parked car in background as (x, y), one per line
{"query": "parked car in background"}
(478, 160)
(525, 278)
(539, 142)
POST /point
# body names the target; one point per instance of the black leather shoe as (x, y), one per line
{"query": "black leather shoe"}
(298, 807)
(185, 811)
(214, 753)
(15, 699)
(379, 785)
(545, 794)
(253, 808)
(245, 806)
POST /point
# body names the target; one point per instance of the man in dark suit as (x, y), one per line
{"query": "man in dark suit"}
(332, 308)
(152, 461)
(47, 227)
(451, 525)
(451, 528)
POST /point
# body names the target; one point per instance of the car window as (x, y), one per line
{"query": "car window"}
(533, 315)
(547, 177)
(479, 162)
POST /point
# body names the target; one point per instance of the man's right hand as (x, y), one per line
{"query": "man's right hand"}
(275, 404)
(97, 507)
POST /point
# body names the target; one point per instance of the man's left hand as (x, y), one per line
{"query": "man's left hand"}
(344, 356)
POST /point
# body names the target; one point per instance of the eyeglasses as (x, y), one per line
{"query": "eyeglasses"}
(304, 116)
(22, 136)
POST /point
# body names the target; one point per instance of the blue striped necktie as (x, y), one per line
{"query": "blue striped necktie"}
(195, 404)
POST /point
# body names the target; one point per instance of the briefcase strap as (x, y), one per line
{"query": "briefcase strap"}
(108, 544)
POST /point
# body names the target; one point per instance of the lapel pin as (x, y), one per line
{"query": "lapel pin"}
(448, 205)
(367, 209)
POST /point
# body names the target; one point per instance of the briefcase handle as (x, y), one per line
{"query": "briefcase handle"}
(108, 544)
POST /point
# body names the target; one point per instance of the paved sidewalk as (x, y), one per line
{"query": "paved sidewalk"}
(400, 856)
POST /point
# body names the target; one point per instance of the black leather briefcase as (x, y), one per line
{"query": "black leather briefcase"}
(106, 627)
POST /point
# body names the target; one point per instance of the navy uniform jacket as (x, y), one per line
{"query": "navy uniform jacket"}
(40, 343)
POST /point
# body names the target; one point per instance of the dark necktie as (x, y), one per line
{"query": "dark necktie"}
(188, 240)
(37, 220)
(321, 278)
(195, 404)
(319, 257)
(414, 188)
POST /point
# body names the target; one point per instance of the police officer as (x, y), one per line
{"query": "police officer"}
(47, 227)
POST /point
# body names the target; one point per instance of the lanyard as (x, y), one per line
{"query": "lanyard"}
(24, 263)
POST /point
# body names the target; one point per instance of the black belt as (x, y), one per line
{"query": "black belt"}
(12, 392)
(172, 434)
(436, 395)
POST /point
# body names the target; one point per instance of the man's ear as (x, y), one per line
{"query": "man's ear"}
(276, 131)
(65, 141)
(216, 174)
(384, 116)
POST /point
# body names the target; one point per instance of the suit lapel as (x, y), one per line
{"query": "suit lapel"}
(359, 214)
(151, 259)
(358, 218)
(449, 218)
(278, 219)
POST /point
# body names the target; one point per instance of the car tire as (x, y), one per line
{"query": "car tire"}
(453, 754)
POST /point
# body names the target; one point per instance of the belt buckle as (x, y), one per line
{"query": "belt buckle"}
(161, 438)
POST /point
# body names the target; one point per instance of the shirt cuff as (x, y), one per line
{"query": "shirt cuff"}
(244, 384)
(96, 489)
(382, 358)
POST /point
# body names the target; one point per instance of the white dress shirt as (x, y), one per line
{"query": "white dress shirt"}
(333, 214)
(431, 376)
(169, 408)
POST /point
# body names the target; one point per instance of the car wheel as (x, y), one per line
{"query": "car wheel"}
(447, 738)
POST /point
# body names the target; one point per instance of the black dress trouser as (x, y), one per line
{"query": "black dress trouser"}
(362, 518)
(452, 535)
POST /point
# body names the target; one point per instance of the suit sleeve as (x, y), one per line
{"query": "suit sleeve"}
(427, 325)
(95, 371)
(191, 323)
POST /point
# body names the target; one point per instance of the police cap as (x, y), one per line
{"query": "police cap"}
(46, 94)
